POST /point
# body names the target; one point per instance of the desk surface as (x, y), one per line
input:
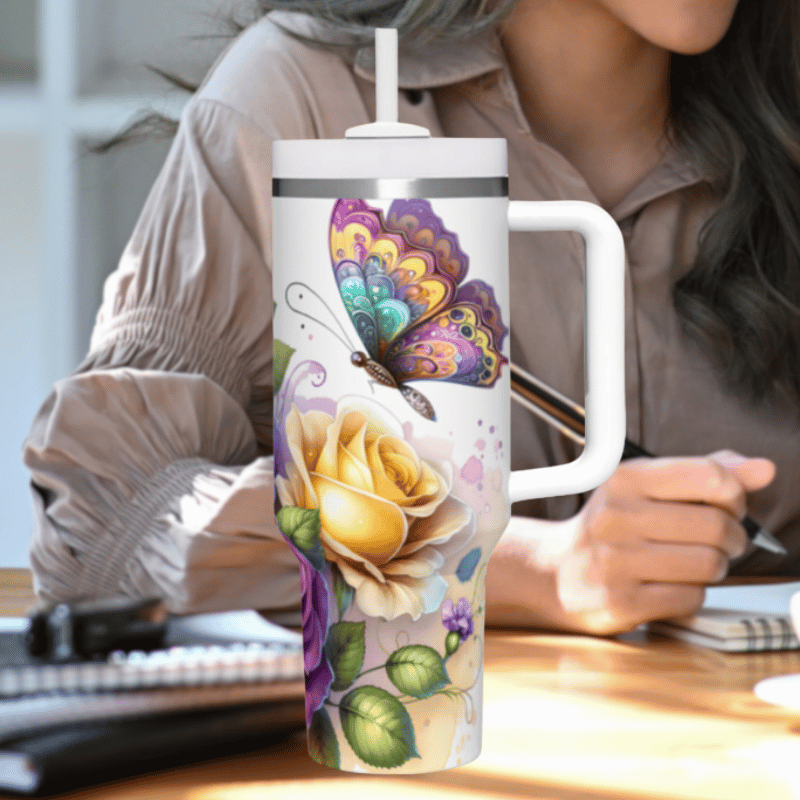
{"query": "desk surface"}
(567, 717)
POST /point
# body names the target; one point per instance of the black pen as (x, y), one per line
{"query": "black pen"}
(570, 418)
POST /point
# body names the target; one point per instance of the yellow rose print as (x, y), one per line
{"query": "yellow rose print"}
(388, 519)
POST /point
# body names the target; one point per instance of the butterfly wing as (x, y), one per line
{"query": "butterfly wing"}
(387, 283)
(354, 227)
(459, 344)
(424, 229)
(359, 307)
(399, 280)
(481, 296)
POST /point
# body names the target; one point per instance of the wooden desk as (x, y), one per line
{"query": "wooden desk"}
(566, 717)
(16, 592)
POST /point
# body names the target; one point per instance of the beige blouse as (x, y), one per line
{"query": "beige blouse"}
(151, 464)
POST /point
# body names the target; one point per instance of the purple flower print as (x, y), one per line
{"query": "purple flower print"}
(319, 675)
(458, 618)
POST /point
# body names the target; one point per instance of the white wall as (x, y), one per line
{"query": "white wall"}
(72, 71)
(22, 323)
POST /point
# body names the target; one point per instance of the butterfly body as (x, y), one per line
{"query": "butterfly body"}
(375, 370)
(400, 278)
(379, 373)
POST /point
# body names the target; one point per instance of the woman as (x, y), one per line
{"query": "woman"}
(151, 464)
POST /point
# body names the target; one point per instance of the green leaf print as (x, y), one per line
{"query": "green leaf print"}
(377, 727)
(342, 590)
(452, 642)
(417, 670)
(322, 744)
(344, 649)
(281, 354)
(302, 528)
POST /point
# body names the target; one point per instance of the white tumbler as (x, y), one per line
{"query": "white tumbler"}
(391, 419)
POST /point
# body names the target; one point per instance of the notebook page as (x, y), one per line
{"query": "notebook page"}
(22, 715)
(226, 628)
(763, 598)
(208, 649)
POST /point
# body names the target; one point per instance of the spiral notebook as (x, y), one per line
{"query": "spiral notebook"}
(738, 618)
(209, 661)
(223, 683)
(232, 647)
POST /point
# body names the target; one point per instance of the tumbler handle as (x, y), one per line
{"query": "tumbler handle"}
(604, 341)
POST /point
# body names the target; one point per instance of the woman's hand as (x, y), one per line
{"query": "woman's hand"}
(643, 547)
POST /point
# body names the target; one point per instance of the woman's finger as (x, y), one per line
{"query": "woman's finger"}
(664, 600)
(692, 479)
(752, 473)
(676, 563)
(638, 519)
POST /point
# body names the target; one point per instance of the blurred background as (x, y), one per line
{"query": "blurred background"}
(74, 73)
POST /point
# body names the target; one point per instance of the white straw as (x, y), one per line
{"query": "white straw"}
(386, 74)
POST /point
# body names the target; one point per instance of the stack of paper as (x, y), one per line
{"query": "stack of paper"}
(739, 618)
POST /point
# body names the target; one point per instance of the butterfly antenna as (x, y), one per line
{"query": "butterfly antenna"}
(343, 338)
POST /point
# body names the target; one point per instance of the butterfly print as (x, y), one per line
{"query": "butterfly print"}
(400, 278)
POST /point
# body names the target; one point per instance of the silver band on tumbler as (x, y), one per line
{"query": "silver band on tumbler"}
(390, 188)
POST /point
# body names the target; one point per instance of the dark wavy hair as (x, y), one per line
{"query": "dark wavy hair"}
(735, 112)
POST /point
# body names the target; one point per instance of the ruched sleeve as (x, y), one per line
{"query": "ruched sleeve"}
(151, 465)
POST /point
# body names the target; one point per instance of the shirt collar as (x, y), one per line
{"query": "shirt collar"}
(673, 172)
